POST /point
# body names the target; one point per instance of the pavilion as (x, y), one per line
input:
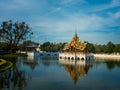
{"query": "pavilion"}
(75, 50)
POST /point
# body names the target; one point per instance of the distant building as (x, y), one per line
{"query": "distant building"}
(75, 50)
(32, 46)
(31, 49)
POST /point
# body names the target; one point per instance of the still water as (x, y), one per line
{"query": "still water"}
(38, 74)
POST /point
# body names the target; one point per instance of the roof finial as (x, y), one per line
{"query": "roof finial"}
(76, 30)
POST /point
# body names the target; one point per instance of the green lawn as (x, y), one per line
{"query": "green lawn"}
(11, 55)
(5, 65)
(2, 62)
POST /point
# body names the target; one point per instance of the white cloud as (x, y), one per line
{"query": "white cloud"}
(117, 15)
(82, 23)
(13, 5)
(113, 19)
(57, 9)
(21, 5)
(62, 20)
(65, 4)
(112, 4)
(79, 22)
(71, 2)
(114, 15)
(66, 1)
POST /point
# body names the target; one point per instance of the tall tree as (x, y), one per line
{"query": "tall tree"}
(110, 47)
(91, 48)
(52, 47)
(14, 33)
(117, 48)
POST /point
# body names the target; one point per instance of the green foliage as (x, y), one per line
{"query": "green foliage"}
(110, 47)
(99, 48)
(12, 55)
(52, 47)
(91, 47)
(117, 48)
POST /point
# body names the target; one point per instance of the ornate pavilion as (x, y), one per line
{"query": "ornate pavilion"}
(75, 50)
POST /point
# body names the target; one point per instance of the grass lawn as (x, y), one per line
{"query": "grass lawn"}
(11, 55)
(2, 62)
(5, 65)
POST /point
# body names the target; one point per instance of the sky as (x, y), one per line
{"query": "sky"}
(95, 21)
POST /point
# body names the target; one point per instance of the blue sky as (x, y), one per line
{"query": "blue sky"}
(95, 21)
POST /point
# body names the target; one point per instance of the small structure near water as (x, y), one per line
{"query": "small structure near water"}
(31, 49)
(76, 50)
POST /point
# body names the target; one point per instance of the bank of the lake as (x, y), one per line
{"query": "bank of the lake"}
(12, 55)
(107, 56)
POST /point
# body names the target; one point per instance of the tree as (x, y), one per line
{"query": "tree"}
(110, 47)
(97, 48)
(117, 48)
(91, 48)
(14, 33)
(46, 46)
(52, 47)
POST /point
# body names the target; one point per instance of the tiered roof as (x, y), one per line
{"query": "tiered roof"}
(76, 44)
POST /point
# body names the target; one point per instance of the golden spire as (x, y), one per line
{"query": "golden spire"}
(75, 37)
(75, 44)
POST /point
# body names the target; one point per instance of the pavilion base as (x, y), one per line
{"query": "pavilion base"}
(71, 56)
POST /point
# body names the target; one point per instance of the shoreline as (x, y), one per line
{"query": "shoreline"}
(107, 56)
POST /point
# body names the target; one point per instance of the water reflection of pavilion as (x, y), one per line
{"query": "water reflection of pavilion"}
(76, 70)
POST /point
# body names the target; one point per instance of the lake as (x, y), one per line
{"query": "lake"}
(38, 74)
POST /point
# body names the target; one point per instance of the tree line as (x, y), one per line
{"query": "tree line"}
(106, 48)
(58, 47)
(14, 33)
(93, 48)
(52, 47)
